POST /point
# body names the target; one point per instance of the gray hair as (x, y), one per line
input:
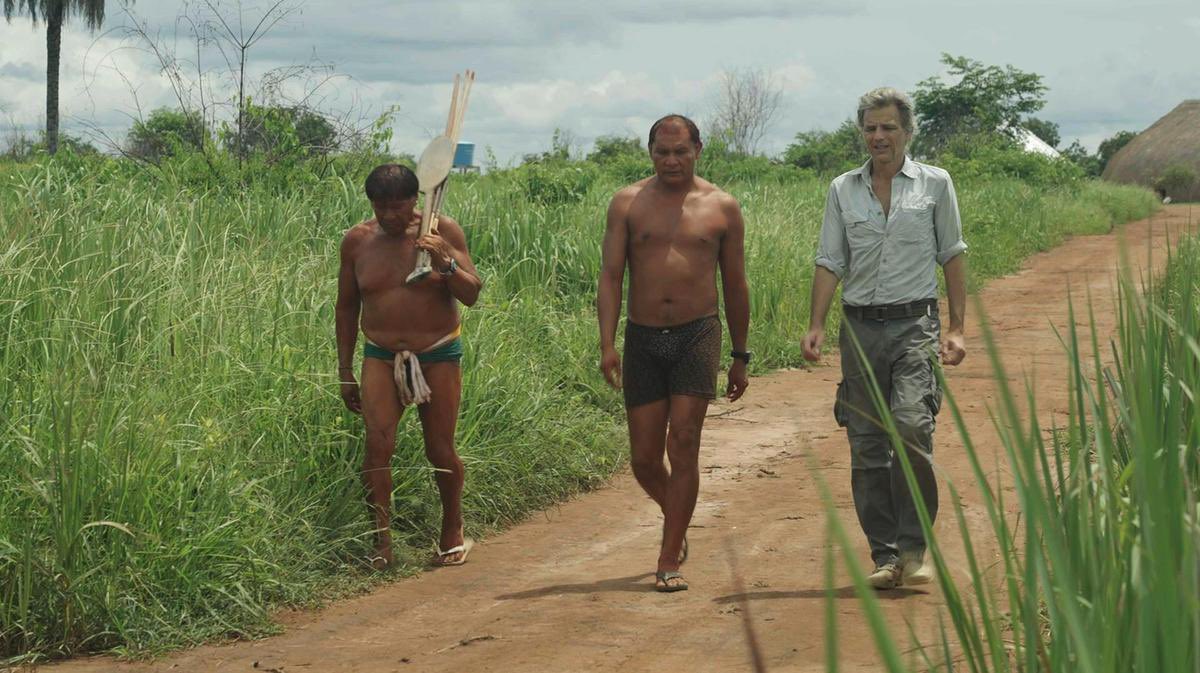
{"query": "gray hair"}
(883, 97)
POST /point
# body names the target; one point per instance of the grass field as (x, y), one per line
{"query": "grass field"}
(175, 461)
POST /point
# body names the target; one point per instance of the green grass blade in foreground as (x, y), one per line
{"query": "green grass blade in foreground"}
(875, 619)
(831, 628)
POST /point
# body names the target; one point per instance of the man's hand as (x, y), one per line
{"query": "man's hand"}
(738, 382)
(610, 366)
(810, 345)
(350, 394)
(954, 348)
(438, 249)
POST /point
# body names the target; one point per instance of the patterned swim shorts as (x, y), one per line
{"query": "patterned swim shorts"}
(664, 361)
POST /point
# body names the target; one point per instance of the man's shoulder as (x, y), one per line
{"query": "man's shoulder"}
(707, 190)
(446, 220)
(851, 176)
(723, 199)
(633, 189)
(930, 171)
(622, 200)
(359, 233)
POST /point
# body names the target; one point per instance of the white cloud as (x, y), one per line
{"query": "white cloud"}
(97, 79)
(535, 104)
(794, 77)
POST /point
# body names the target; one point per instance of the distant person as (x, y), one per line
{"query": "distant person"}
(887, 225)
(672, 231)
(412, 346)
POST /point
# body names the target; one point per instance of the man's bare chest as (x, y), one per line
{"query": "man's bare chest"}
(384, 266)
(678, 230)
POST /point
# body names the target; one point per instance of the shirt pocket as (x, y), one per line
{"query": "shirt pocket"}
(914, 223)
(861, 233)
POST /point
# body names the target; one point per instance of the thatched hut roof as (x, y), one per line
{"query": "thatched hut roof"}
(1170, 141)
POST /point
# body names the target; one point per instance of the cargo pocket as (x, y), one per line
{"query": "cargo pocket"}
(839, 405)
(933, 398)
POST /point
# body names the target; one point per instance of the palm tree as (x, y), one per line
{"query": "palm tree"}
(54, 13)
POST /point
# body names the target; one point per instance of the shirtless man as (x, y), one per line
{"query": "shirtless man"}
(673, 229)
(412, 348)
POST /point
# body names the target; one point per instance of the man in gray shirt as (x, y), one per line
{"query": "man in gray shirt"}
(886, 225)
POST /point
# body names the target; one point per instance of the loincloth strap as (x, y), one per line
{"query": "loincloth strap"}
(406, 371)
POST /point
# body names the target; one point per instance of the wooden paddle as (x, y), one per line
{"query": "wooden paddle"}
(434, 167)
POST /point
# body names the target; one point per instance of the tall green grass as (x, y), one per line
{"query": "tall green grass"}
(1101, 569)
(174, 459)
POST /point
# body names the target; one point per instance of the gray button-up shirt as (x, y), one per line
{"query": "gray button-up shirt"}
(890, 260)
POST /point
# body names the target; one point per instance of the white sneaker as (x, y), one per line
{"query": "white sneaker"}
(914, 569)
(886, 576)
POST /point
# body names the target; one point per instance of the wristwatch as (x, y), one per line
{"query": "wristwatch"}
(450, 271)
(744, 356)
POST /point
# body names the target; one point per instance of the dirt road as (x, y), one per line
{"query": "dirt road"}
(571, 590)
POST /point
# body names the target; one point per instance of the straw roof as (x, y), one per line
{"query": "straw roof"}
(1172, 140)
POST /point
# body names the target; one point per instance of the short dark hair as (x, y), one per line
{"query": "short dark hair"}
(693, 130)
(391, 181)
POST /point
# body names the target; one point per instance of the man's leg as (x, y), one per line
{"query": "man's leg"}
(647, 444)
(439, 419)
(381, 412)
(646, 410)
(870, 446)
(686, 419)
(871, 486)
(915, 401)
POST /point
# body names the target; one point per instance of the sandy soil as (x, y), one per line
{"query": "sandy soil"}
(571, 589)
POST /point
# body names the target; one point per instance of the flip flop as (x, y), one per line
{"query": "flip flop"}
(683, 551)
(662, 581)
(465, 548)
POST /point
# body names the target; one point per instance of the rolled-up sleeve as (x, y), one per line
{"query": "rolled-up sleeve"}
(947, 225)
(831, 248)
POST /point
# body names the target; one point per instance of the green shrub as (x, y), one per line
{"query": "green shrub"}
(1176, 181)
(166, 132)
(612, 148)
(556, 183)
(827, 152)
(991, 155)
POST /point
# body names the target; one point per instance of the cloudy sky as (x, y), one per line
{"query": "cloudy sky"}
(600, 68)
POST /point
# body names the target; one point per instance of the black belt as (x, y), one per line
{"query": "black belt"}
(892, 311)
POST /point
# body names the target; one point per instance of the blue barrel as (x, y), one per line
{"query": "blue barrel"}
(464, 155)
